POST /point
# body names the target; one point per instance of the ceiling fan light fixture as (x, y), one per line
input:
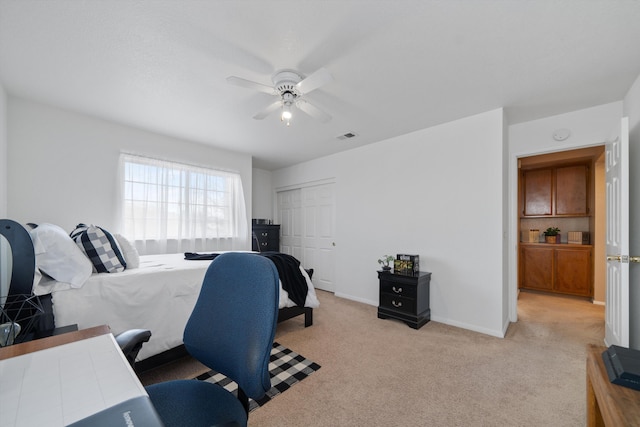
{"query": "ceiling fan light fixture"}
(286, 113)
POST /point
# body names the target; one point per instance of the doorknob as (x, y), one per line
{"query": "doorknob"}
(614, 257)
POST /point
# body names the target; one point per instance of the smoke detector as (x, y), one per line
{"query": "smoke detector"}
(347, 135)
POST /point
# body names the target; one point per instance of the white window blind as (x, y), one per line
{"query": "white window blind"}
(173, 207)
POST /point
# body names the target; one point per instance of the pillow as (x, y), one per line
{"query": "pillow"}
(130, 253)
(100, 247)
(58, 256)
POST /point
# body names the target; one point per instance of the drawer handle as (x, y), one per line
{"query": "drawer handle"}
(396, 304)
(264, 243)
(265, 234)
(397, 290)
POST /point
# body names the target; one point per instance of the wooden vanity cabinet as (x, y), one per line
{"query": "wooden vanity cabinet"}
(571, 185)
(536, 268)
(558, 268)
(573, 272)
(555, 191)
(538, 192)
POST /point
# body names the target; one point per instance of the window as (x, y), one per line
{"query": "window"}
(178, 207)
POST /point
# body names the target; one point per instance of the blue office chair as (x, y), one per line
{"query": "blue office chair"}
(231, 330)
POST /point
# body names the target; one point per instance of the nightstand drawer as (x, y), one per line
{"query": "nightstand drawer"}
(398, 303)
(398, 288)
(268, 245)
(266, 234)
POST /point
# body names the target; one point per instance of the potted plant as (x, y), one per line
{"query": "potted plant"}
(384, 262)
(552, 235)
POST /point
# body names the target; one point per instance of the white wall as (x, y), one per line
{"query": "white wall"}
(63, 165)
(506, 288)
(262, 194)
(3, 152)
(4, 246)
(632, 110)
(435, 192)
(589, 127)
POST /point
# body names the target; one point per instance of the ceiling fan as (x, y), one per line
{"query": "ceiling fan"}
(290, 87)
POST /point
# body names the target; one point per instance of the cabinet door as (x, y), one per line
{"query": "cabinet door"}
(537, 192)
(573, 271)
(536, 268)
(571, 190)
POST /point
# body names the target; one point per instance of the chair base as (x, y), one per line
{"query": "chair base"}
(196, 403)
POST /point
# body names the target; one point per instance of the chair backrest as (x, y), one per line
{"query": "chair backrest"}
(18, 305)
(233, 323)
(23, 257)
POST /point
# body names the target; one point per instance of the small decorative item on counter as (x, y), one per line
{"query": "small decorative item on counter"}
(578, 237)
(530, 236)
(384, 262)
(406, 264)
(552, 235)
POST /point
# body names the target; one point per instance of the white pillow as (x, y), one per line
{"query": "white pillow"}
(58, 256)
(130, 253)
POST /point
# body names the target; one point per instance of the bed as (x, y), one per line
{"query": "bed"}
(159, 295)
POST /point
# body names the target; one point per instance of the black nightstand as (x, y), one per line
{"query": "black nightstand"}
(405, 298)
(266, 238)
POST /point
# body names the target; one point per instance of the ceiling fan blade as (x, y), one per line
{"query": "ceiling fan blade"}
(270, 109)
(313, 81)
(237, 81)
(313, 111)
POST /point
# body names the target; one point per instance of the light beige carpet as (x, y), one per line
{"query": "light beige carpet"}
(383, 373)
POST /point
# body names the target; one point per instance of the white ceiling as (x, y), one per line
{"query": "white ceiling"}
(398, 65)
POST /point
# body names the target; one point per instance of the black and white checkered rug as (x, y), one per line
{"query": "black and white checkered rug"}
(286, 368)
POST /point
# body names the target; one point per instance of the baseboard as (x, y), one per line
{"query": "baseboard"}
(474, 328)
(357, 299)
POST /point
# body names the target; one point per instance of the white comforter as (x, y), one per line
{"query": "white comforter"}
(158, 296)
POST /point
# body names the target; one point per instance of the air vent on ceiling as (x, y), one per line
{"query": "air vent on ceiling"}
(347, 135)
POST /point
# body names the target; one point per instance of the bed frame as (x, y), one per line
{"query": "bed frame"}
(290, 312)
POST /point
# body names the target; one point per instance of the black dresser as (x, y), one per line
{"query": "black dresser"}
(405, 298)
(266, 237)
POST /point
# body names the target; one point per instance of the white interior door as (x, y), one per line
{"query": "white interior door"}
(617, 200)
(307, 223)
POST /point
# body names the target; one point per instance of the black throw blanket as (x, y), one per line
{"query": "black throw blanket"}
(290, 275)
(288, 269)
(194, 256)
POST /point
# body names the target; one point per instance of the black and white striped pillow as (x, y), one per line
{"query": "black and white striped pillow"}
(101, 248)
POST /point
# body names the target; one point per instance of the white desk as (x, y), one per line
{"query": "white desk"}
(61, 384)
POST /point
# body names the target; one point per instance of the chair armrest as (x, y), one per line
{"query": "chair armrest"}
(131, 341)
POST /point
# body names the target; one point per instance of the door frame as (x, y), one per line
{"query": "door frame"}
(513, 239)
(301, 186)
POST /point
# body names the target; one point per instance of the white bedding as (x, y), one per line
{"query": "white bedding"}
(159, 296)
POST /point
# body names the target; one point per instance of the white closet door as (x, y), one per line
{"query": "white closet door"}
(307, 221)
(290, 220)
